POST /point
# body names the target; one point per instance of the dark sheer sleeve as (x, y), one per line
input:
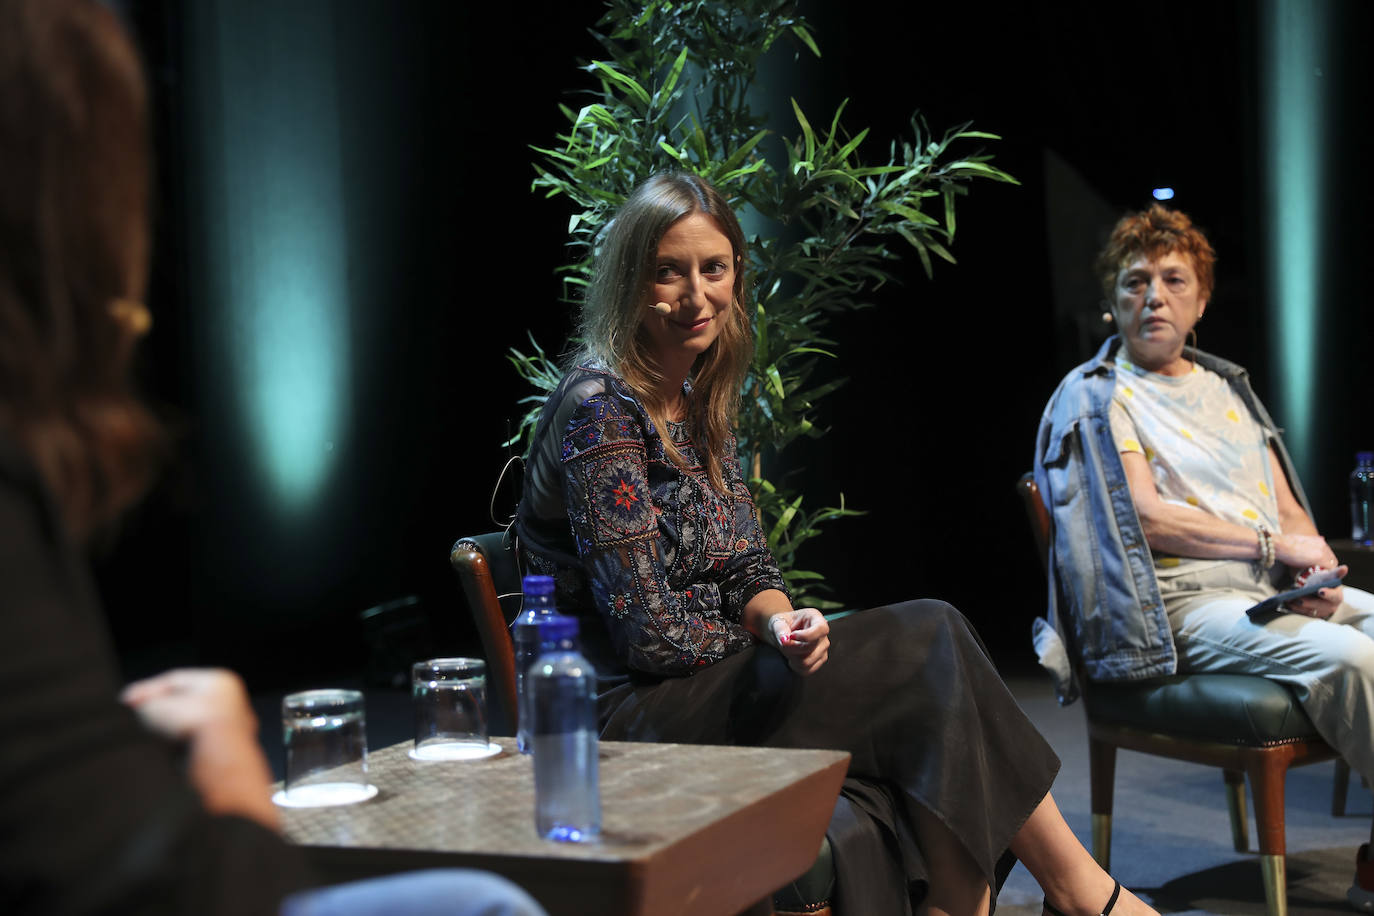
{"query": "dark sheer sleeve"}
(657, 625)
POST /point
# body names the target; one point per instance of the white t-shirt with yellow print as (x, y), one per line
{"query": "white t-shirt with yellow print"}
(1205, 450)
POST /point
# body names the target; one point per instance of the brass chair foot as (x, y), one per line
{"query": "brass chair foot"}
(1275, 885)
(1102, 840)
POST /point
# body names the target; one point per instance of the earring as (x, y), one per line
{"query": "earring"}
(131, 315)
(1107, 318)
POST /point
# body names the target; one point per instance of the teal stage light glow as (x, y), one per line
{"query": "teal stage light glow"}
(277, 244)
(1295, 36)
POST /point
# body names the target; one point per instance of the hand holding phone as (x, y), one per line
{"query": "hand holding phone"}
(1309, 582)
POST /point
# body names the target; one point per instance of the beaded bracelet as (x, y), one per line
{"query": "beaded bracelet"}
(1266, 547)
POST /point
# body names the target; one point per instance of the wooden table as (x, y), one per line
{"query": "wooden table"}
(685, 828)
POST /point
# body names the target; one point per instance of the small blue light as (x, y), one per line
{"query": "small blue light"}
(1164, 193)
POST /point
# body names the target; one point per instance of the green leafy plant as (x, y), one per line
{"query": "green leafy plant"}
(674, 92)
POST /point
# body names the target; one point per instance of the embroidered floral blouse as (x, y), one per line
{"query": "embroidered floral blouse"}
(666, 561)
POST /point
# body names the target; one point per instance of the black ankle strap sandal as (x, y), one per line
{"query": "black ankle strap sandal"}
(1116, 892)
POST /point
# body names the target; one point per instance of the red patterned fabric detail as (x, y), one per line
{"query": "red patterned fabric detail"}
(666, 561)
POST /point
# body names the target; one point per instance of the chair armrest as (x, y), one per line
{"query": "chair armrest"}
(475, 573)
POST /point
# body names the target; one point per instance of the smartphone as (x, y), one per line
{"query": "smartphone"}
(1327, 578)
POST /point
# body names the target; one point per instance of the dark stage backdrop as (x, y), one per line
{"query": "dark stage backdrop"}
(364, 167)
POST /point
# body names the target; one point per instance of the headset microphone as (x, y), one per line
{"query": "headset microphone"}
(662, 308)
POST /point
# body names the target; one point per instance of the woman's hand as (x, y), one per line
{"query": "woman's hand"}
(184, 702)
(803, 637)
(208, 709)
(1303, 550)
(1322, 604)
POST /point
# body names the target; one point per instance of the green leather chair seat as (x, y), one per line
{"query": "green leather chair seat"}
(1236, 709)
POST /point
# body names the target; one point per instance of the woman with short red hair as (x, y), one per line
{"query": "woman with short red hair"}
(1216, 523)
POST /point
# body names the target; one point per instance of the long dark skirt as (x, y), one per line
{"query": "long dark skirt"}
(910, 693)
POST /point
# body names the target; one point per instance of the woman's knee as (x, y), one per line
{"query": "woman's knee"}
(1356, 656)
(927, 610)
(934, 612)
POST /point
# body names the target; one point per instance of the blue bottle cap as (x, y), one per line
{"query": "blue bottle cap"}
(558, 629)
(538, 585)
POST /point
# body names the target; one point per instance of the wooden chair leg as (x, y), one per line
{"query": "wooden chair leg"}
(1267, 773)
(1235, 806)
(1102, 775)
(1339, 787)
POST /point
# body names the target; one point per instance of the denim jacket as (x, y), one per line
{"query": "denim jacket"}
(1104, 601)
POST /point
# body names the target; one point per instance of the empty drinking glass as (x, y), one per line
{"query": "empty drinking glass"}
(450, 697)
(325, 733)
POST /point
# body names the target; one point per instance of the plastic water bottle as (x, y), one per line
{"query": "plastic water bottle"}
(562, 685)
(1361, 493)
(538, 606)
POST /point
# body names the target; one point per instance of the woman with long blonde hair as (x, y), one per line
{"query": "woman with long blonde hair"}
(636, 503)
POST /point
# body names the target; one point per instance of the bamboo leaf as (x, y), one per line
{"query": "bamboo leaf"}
(749, 169)
(842, 174)
(672, 78)
(796, 574)
(940, 250)
(621, 79)
(911, 213)
(738, 155)
(807, 132)
(703, 149)
(775, 381)
(978, 168)
(852, 145)
(784, 519)
(920, 249)
(806, 39)
(555, 154)
(796, 350)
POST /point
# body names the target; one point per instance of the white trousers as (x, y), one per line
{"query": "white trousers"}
(1328, 663)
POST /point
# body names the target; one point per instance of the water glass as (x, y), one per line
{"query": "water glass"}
(450, 698)
(325, 733)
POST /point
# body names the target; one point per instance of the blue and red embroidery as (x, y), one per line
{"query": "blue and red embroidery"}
(667, 560)
(620, 605)
(624, 494)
